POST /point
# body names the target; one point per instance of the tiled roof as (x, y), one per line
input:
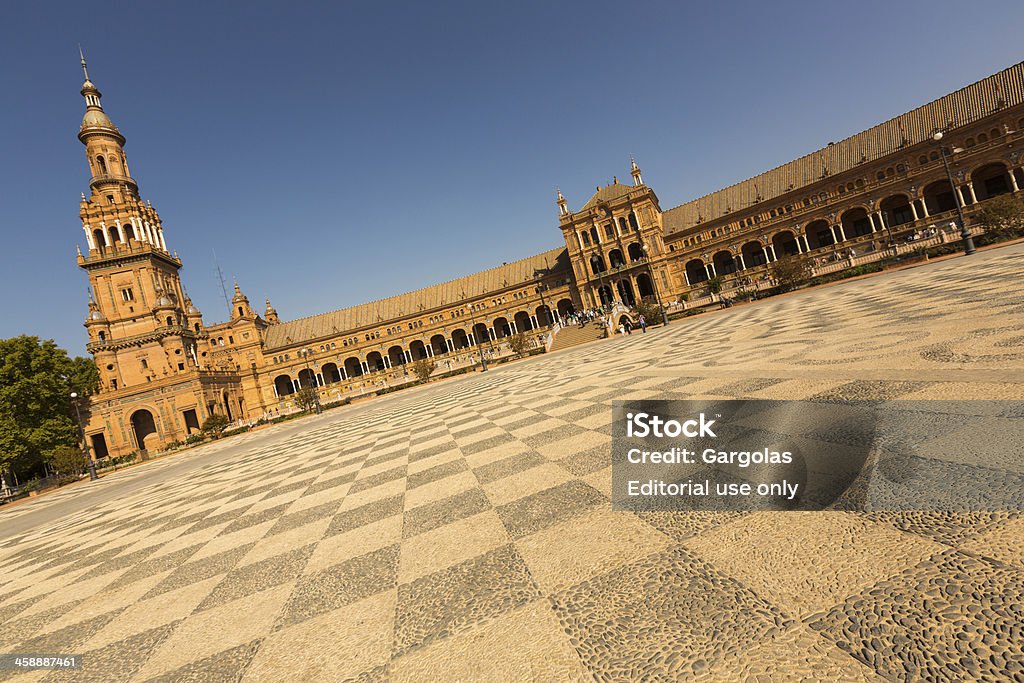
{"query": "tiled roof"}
(607, 193)
(960, 108)
(384, 311)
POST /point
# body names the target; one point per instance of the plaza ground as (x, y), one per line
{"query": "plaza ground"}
(463, 530)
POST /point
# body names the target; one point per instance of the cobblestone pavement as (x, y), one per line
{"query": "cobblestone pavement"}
(463, 531)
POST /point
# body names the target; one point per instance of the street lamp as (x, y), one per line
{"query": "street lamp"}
(965, 234)
(654, 282)
(479, 346)
(537, 276)
(305, 354)
(85, 444)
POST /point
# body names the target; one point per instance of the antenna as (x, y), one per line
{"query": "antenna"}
(220, 276)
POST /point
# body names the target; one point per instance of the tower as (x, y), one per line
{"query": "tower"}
(160, 375)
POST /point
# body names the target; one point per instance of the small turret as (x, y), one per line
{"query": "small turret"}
(637, 179)
(563, 207)
(270, 315)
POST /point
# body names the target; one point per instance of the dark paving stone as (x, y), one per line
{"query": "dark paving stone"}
(435, 473)
(951, 528)
(222, 667)
(553, 435)
(417, 455)
(17, 630)
(619, 622)
(200, 570)
(223, 518)
(870, 390)
(485, 444)
(953, 617)
(585, 412)
(506, 467)
(433, 515)
(366, 514)
(745, 387)
(384, 457)
(116, 662)
(325, 484)
(154, 566)
(549, 507)
(683, 525)
(8, 612)
(455, 599)
(303, 517)
(67, 640)
(254, 518)
(341, 585)
(288, 488)
(384, 477)
(258, 576)
(589, 461)
(378, 674)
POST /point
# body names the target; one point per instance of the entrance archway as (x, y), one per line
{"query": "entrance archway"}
(696, 271)
(855, 223)
(523, 322)
(283, 385)
(644, 286)
(145, 429)
(939, 198)
(724, 263)
(625, 288)
(990, 181)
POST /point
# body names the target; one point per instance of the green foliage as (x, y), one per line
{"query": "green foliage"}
(215, 425)
(36, 416)
(791, 272)
(650, 310)
(715, 285)
(520, 344)
(307, 398)
(683, 298)
(423, 368)
(68, 461)
(1002, 216)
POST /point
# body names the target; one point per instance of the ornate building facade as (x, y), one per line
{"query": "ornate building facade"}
(164, 371)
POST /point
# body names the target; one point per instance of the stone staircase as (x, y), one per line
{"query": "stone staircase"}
(571, 336)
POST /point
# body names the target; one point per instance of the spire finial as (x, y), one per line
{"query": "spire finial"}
(85, 69)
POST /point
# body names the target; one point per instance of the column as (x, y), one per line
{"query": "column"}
(960, 195)
(450, 344)
(807, 245)
(408, 355)
(365, 366)
(842, 233)
(120, 231)
(295, 384)
(472, 339)
(710, 269)
(88, 237)
(764, 250)
(970, 188)
(430, 350)
(319, 379)
(512, 326)
(160, 236)
(913, 208)
(871, 222)
(1013, 180)
(924, 206)
(881, 221)
(344, 375)
(533, 322)
(579, 239)
(832, 230)
(387, 362)
(491, 334)
(276, 395)
(739, 255)
(686, 278)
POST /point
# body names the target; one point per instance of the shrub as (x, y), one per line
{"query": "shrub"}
(1002, 216)
(215, 425)
(715, 284)
(423, 368)
(650, 310)
(307, 398)
(68, 461)
(520, 344)
(791, 272)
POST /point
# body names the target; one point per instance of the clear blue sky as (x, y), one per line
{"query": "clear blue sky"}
(334, 153)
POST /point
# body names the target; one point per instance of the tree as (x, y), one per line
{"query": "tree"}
(68, 461)
(791, 272)
(215, 425)
(423, 369)
(1002, 217)
(715, 285)
(519, 343)
(307, 398)
(650, 310)
(36, 417)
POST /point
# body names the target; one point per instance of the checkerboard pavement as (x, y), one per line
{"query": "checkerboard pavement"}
(463, 530)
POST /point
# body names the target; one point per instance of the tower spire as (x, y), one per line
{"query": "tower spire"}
(85, 69)
(635, 171)
(563, 208)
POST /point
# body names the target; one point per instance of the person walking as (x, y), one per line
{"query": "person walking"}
(629, 327)
(643, 324)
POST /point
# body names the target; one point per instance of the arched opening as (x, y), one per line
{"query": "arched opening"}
(819, 235)
(114, 237)
(626, 296)
(98, 238)
(939, 197)
(306, 378)
(330, 373)
(144, 428)
(635, 251)
(375, 361)
(102, 335)
(644, 286)
(283, 385)
(593, 235)
(438, 346)
(990, 181)
(480, 334)
(460, 340)
(101, 163)
(604, 293)
(523, 322)
(169, 321)
(896, 210)
(615, 258)
(543, 314)
(129, 231)
(597, 264)
(753, 254)
(564, 307)
(396, 356)
(696, 271)
(227, 405)
(724, 263)
(855, 223)
(501, 328)
(418, 350)
(353, 368)
(633, 222)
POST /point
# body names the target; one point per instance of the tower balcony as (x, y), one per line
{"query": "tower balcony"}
(125, 250)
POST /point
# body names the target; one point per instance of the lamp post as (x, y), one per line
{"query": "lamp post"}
(540, 290)
(654, 282)
(479, 346)
(85, 444)
(965, 234)
(305, 354)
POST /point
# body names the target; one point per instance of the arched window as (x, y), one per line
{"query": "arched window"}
(240, 311)
(102, 164)
(982, 137)
(586, 239)
(593, 235)
(98, 238)
(102, 335)
(170, 321)
(633, 223)
(923, 160)
(970, 142)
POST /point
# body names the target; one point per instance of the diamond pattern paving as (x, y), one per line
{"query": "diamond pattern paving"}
(463, 531)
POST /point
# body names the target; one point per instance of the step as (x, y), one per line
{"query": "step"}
(568, 337)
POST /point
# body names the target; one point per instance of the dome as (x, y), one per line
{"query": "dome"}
(95, 118)
(192, 310)
(164, 301)
(96, 315)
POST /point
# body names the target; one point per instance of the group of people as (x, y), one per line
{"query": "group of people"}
(626, 326)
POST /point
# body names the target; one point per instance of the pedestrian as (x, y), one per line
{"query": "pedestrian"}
(622, 329)
(629, 327)
(643, 324)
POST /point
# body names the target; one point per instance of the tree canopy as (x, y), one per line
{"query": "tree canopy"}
(36, 415)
